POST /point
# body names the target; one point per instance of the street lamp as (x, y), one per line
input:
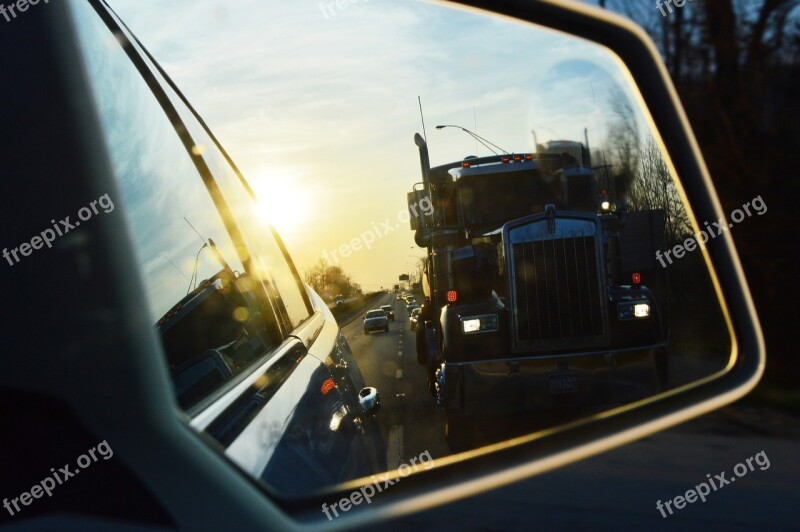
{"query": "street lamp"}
(477, 137)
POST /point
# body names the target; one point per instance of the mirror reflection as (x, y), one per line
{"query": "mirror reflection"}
(481, 205)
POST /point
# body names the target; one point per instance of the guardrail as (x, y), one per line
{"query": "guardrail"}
(351, 309)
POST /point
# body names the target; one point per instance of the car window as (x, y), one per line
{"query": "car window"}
(210, 315)
(376, 314)
(269, 260)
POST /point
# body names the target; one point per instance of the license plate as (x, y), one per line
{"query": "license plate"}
(563, 382)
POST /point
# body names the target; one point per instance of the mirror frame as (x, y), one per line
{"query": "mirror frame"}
(229, 498)
(506, 464)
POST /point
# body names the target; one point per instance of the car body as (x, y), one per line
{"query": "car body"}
(413, 318)
(376, 320)
(389, 311)
(411, 300)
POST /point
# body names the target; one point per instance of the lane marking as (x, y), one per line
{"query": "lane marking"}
(399, 374)
(394, 448)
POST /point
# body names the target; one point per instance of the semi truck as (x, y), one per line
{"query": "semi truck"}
(540, 294)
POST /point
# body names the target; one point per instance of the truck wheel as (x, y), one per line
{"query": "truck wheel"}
(460, 432)
(430, 370)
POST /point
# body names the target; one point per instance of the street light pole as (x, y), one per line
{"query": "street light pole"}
(477, 137)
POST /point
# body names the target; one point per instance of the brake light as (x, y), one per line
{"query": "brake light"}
(327, 386)
(452, 296)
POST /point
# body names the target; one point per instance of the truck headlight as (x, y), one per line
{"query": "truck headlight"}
(633, 310)
(480, 324)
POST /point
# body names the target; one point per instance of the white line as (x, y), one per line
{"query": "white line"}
(400, 353)
(394, 448)
(399, 374)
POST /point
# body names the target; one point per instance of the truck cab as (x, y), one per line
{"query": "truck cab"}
(542, 294)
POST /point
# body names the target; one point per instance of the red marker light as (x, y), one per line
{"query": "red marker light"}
(517, 158)
(636, 279)
(529, 157)
(464, 165)
(327, 386)
(452, 296)
(506, 160)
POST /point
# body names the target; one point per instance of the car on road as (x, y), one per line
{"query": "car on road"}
(411, 300)
(376, 320)
(389, 311)
(413, 318)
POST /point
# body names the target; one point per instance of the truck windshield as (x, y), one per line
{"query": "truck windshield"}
(490, 200)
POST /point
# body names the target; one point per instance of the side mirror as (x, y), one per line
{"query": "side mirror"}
(370, 400)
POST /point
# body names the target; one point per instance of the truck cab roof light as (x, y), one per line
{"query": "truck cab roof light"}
(636, 279)
(452, 296)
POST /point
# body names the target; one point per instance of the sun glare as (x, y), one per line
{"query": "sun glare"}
(282, 200)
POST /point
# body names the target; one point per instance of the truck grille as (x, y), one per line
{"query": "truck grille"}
(557, 293)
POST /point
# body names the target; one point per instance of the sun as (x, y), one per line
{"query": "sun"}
(282, 200)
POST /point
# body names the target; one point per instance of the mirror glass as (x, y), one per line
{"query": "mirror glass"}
(496, 186)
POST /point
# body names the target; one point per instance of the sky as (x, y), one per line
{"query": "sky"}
(318, 106)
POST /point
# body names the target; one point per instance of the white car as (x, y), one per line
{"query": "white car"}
(376, 320)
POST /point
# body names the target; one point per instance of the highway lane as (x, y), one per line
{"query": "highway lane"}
(410, 421)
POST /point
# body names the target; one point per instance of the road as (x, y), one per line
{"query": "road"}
(410, 421)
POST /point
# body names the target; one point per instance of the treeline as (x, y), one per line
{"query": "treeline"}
(329, 281)
(736, 66)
